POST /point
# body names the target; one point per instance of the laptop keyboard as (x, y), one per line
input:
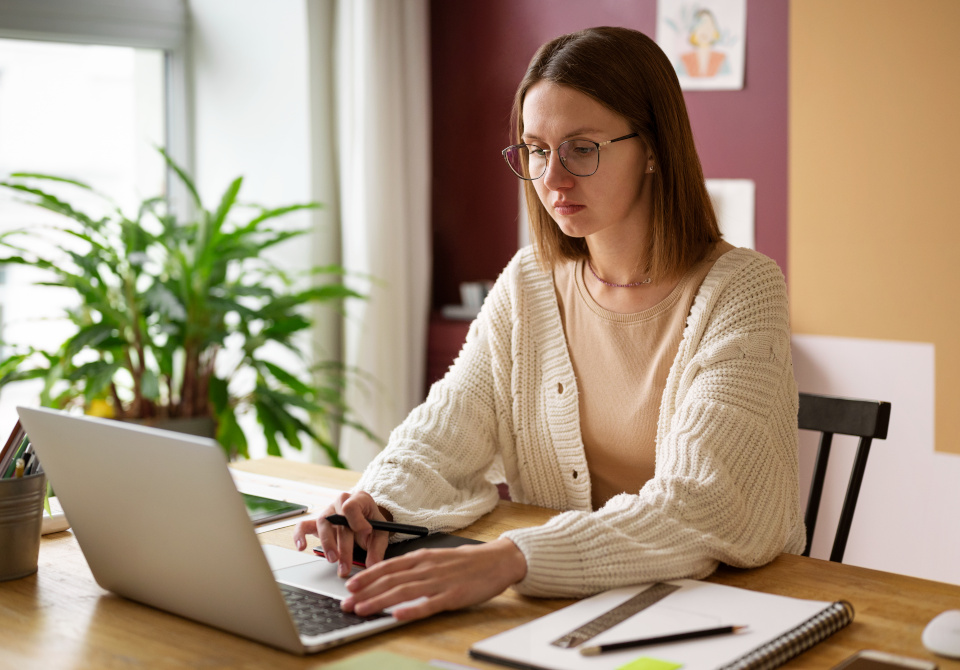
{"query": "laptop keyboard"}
(314, 613)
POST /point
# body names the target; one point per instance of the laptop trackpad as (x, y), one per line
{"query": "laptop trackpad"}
(316, 575)
(281, 557)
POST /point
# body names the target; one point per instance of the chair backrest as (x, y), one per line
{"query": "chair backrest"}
(866, 419)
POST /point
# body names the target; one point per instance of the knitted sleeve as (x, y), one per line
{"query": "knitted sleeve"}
(725, 487)
(433, 471)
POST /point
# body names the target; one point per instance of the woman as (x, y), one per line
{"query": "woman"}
(630, 368)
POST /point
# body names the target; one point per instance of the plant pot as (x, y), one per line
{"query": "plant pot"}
(21, 515)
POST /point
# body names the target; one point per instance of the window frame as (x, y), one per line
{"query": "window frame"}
(151, 24)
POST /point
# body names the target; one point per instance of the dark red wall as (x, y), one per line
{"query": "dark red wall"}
(480, 50)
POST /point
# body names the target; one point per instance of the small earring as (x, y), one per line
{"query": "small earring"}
(650, 169)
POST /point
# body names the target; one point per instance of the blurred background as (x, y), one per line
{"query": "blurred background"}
(393, 113)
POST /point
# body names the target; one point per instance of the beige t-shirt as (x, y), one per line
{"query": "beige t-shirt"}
(621, 362)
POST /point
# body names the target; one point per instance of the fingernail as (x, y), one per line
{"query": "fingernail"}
(347, 603)
(332, 556)
(299, 544)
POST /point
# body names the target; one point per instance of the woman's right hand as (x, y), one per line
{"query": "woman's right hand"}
(337, 541)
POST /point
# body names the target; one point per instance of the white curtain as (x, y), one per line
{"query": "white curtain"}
(381, 68)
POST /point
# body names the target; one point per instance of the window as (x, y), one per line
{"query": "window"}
(88, 112)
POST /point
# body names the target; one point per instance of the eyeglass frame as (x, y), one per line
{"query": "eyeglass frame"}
(562, 162)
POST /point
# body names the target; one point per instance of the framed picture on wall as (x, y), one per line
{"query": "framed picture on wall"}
(705, 40)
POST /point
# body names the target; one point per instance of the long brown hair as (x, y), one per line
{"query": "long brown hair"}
(626, 71)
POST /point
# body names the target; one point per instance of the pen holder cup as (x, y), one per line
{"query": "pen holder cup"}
(21, 515)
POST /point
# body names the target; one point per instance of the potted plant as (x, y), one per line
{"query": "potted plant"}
(181, 319)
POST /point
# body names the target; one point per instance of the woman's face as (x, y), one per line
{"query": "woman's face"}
(613, 203)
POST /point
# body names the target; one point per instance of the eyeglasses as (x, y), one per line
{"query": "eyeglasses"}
(581, 158)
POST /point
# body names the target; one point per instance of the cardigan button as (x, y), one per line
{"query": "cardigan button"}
(575, 473)
(559, 388)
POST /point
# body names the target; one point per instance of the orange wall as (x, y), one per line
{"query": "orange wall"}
(874, 233)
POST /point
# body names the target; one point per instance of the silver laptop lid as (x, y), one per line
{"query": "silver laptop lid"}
(160, 521)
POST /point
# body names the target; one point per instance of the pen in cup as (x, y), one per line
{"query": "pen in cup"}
(340, 520)
(33, 467)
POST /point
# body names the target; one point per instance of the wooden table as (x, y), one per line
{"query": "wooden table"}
(60, 618)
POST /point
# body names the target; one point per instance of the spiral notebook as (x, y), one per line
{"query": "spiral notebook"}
(778, 628)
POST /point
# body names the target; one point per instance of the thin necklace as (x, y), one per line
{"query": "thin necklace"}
(610, 283)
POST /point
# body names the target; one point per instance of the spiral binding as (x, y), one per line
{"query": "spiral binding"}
(796, 641)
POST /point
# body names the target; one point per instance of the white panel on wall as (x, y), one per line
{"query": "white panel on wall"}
(734, 201)
(909, 507)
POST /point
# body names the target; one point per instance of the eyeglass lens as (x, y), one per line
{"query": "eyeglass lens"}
(528, 161)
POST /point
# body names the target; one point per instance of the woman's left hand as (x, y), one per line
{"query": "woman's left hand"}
(448, 578)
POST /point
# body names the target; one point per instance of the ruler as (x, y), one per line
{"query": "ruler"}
(620, 613)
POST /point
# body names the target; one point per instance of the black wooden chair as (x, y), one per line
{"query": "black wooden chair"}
(866, 419)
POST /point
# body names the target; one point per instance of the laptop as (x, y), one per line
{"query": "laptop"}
(160, 521)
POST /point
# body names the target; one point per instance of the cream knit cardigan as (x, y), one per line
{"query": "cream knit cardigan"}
(726, 484)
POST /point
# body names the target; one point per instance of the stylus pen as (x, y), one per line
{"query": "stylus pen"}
(661, 639)
(340, 520)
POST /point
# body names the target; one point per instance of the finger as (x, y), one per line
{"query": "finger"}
(312, 526)
(303, 528)
(338, 502)
(394, 590)
(399, 594)
(345, 541)
(328, 540)
(389, 581)
(342, 552)
(420, 610)
(377, 547)
(383, 569)
(358, 508)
